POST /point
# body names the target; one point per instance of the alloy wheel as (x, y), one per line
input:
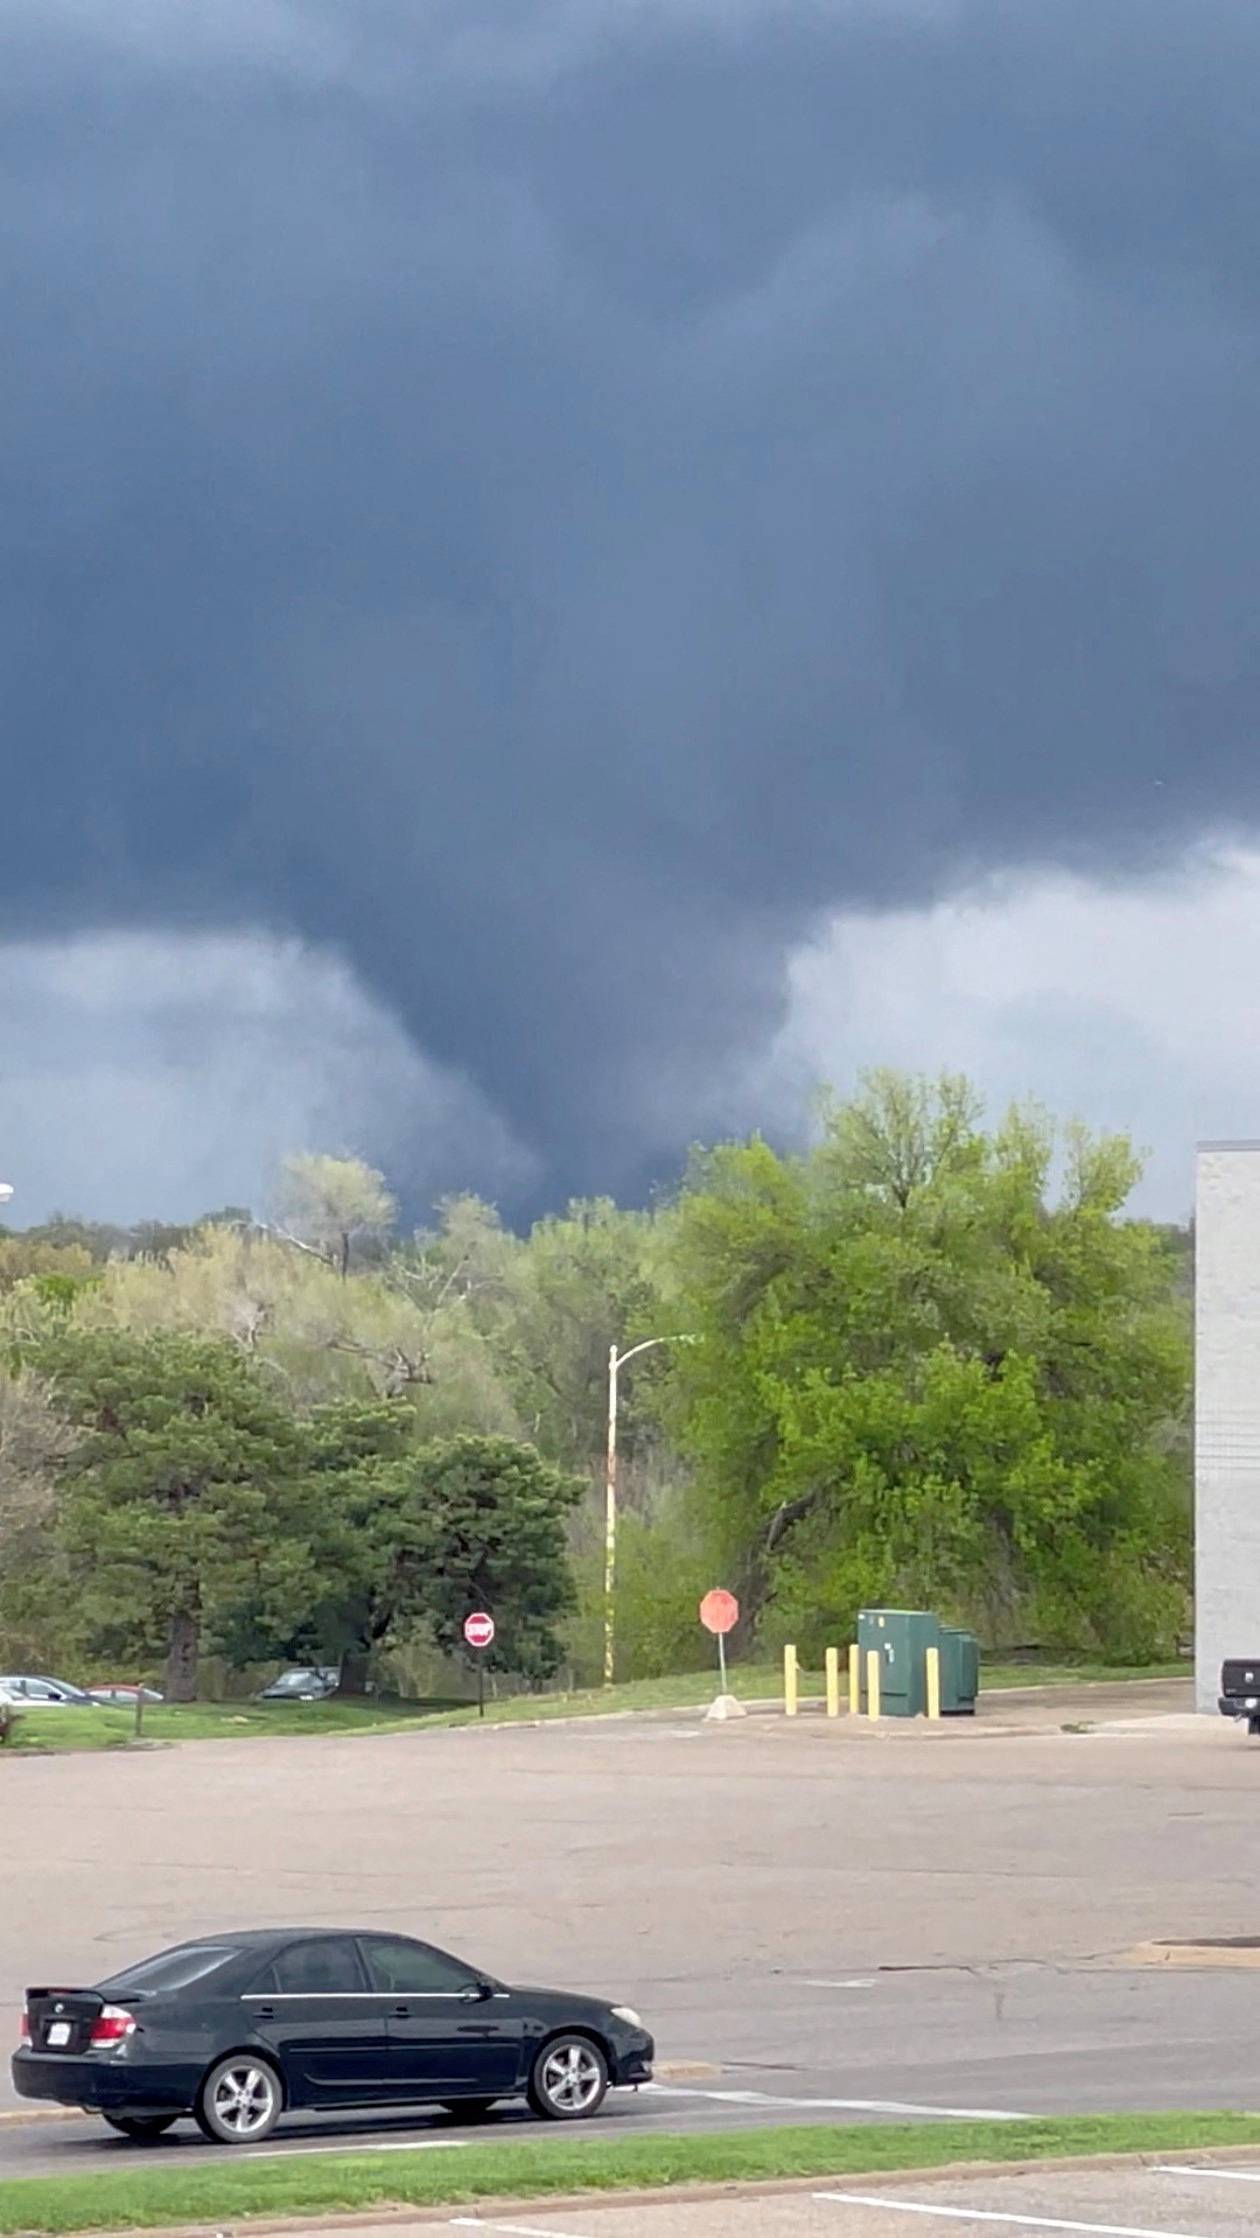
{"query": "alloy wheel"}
(242, 2100)
(572, 2078)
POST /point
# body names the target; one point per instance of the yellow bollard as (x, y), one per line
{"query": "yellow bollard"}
(934, 1682)
(833, 1681)
(789, 1681)
(872, 1682)
(855, 1682)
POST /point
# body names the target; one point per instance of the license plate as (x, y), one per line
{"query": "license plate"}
(58, 2034)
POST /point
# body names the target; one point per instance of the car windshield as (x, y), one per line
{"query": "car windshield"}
(298, 1682)
(171, 1970)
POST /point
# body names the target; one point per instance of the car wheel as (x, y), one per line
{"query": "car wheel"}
(569, 2079)
(140, 2126)
(240, 2101)
(469, 2109)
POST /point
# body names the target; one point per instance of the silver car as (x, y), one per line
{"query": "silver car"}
(22, 1692)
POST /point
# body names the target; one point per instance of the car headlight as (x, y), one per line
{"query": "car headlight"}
(628, 2014)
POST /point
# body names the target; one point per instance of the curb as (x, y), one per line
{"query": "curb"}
(438, 2216)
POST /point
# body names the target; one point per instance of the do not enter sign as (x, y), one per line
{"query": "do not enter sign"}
(479, 1629)
(719, 1611)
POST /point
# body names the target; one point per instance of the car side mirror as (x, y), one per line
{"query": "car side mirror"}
(477, 1992)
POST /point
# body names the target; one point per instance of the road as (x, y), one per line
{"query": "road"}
(833, 1923)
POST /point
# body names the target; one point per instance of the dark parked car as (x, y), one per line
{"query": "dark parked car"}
(239, 2029)
(313, 1683)
(1240, 1692)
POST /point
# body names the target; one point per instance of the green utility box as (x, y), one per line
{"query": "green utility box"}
(960, 1671)
(901, 1638)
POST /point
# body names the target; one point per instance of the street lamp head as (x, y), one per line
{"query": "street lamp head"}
(6, 1191)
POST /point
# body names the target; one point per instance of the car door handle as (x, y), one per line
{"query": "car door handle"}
(402, 2012)
(264, 2012)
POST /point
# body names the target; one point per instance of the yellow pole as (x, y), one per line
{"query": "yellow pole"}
(855, 1681)
(934, 1682)
(833, 1682)
(789, 1681)
(872, 1682)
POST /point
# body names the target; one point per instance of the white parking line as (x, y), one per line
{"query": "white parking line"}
(513, 2229)
(838, 2105)
(406, 2145)
(1216, 2175)
(987, 2214)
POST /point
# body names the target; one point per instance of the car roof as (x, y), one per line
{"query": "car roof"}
(252, 1937)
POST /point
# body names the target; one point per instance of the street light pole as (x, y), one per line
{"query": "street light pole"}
(617, 1361)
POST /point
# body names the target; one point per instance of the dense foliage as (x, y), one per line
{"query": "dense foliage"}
(925, 1362)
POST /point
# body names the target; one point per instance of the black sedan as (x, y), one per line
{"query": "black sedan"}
(239, 2029)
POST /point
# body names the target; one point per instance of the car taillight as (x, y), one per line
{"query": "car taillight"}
(24, 2032)
(112, 2025)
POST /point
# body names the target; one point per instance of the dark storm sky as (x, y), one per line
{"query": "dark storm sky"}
(548, 497)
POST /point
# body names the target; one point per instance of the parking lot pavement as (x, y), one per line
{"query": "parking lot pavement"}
(1208, 2200)
(835, 1923)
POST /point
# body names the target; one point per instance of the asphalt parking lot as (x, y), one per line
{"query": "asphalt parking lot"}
(817, 1922)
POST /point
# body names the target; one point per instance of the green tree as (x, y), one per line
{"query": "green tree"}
(356, 1454)
(328, 1205)
(35, 1590)
(184, 1507)
(480, 1524)
(927, 1377)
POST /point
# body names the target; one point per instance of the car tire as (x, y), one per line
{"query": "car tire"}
(469, 2109)
(569, 2079)
(141, 2127)
(240, 2101)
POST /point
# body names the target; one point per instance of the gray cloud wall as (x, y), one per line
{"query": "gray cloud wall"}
(548, 500)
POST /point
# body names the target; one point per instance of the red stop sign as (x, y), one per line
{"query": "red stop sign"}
(479, 1629)
(719, 1611)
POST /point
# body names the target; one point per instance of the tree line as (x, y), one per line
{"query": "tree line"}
(929, 1361)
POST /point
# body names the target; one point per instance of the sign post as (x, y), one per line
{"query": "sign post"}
(479, 1634)
(719, 1614)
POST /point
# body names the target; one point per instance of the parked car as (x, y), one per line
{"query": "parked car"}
(313, 1682)
(1239, 1695)
(237, 2030)
(120, 1694)
(44, 1694)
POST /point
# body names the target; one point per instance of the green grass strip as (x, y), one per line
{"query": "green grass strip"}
(234, 2187)
(66, 1732)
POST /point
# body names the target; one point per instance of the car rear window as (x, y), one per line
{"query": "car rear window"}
(174, 1969)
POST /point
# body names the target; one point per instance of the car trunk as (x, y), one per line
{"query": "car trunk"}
(61, 2020)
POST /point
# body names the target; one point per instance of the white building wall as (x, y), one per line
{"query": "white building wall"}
(1227, 1410)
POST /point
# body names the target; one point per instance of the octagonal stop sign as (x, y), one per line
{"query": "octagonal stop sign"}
(719, 1611)
(479, 1629)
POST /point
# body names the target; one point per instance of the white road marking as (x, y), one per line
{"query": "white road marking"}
(837, 2105)
(1215, 2175)
(838, 1985)
(515, 2229)
(406, 2145)
(987, 2214)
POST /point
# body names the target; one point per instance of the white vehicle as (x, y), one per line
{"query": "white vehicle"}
(26, 1693)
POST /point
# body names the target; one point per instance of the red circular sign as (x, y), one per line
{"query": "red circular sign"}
(719, 1610)
(479, 1629)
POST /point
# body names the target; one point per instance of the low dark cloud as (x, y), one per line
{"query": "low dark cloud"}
(548, 497)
